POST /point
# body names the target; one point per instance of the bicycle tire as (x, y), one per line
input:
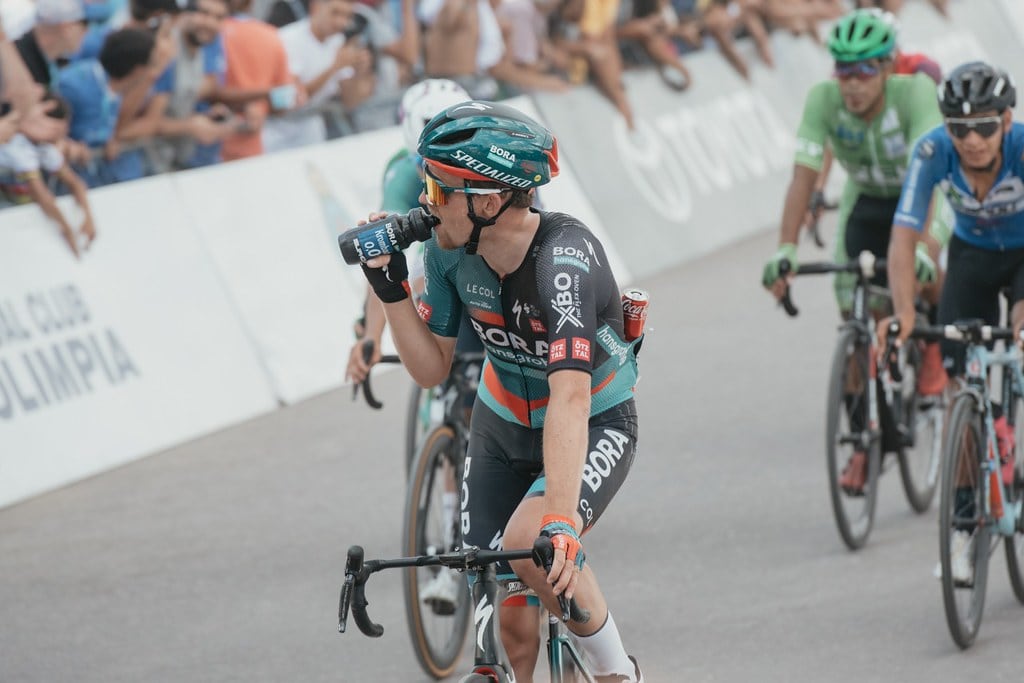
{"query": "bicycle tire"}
(415, 425)
(920, 453)
(963, 450)
(1014, 545)
(854, 515)
(437, 639)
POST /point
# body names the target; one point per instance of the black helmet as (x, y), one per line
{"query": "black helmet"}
(974, 87)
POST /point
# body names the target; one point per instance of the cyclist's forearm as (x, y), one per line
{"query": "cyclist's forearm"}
(797, 198)
(375, 318)
(565, 440)
(901, 268)
(826, 168)
(422, 354)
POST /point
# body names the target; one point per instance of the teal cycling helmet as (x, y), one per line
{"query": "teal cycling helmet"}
(485, 141)
(862, 34)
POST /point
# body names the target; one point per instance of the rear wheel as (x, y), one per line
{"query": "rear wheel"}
(438, 629)
(419, 421)
(848, 436)
(920, 424)
(963, 535)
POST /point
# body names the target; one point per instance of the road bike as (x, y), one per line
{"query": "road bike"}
(437, 600)
(977, 507)
(490, 665)
(873, 408)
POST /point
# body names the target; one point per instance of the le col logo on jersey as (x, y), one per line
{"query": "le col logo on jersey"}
(566, 301)
(425, 310)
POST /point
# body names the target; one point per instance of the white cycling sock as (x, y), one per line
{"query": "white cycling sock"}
(604, 650)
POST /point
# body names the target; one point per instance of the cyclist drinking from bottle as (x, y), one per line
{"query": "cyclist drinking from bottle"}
(870, 118)
(977, 159)
(554, 427)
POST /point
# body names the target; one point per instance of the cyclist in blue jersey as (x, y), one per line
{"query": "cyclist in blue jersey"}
(977, 159)
(554, 427)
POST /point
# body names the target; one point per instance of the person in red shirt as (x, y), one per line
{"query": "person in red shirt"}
(257, 76)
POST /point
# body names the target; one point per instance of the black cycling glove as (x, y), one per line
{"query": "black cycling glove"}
(390, 283)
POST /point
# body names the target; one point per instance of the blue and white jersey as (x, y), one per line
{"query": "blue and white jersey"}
(995, 222)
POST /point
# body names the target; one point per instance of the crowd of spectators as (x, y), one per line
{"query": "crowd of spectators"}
(102, 91)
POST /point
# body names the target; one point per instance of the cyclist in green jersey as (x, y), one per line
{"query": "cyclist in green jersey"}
(870, 118)
(402, 185)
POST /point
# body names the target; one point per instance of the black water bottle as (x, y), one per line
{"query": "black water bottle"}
(386, 236)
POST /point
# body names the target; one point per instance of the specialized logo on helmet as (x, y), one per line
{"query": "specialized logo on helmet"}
(477, 166)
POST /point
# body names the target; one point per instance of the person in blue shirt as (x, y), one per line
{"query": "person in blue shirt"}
(93, 90)
(977, 159)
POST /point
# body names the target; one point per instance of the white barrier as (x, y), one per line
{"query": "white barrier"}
(211, 294)
(131, 350)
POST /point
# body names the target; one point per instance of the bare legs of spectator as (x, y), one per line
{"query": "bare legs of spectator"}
(752, 17)
(606, 72)
(720, 25)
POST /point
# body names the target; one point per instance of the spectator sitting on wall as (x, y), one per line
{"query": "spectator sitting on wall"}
(190, 129)
(93, 90)
(57, 35)
(722, 19)
(322, 61)
(652, 24)
(531, 61)
(462, 42)
(585, 29)
(257, 73)
(23, 163)
(801, 17)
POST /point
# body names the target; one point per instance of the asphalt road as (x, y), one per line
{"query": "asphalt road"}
(220, 560)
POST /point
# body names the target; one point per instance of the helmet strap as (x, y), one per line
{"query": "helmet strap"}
(480, 223)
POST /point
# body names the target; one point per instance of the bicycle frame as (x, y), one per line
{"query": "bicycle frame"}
(998, 512)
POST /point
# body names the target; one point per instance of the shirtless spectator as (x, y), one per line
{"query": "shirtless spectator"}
(257, 78)
(462, 42)
(323, 62)
(531, 61)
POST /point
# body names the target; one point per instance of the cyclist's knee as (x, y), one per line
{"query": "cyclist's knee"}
(520, 635)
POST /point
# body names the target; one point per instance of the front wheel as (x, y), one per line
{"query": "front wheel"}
(920, 425)
(849, 438)
(1015, 544)
(964, 538)
(437, 599)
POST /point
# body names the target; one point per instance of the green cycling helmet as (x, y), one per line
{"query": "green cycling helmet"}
(487, 141)
(862, 34)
